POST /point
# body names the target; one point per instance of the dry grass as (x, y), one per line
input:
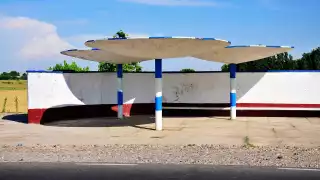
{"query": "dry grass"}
(16, 93)
(13, 85)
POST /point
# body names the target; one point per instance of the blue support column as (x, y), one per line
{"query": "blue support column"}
(233, 92)
(120, 91)
(158, 89)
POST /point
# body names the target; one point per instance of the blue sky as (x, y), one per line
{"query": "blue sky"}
(33, 32)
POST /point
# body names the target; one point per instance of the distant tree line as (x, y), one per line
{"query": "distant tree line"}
(13, 75)
(186, 70)
(283, 61)
(68, 67)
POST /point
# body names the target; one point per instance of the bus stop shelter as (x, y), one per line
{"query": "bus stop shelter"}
(127, 50)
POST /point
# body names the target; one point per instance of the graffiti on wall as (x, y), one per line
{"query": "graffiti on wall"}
(183, 89)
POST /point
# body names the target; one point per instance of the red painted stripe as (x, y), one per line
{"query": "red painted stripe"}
(126, 109)
(35, 115)
(271, 105)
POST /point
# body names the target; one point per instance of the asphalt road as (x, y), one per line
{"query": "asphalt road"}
(85, 171)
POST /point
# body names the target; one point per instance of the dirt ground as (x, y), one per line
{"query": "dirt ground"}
(255, 131)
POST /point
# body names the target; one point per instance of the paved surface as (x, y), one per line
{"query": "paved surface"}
(87, 171)
(139, 130)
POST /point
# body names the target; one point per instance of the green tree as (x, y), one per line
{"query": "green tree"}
(309, 61)
(225, 68)
(186, 70)
(5, 76)
(107, 67)
(24, 76)
(282, 61)
(14, 75)
(120, 34)
(132, 67)
(110, 67)
(68, 67)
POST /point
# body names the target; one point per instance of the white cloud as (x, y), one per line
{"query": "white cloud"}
(31, 39)
(33, 44)
(174, 2)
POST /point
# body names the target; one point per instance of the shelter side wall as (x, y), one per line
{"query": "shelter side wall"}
(50, 90)
(278, 90)
(255, 91)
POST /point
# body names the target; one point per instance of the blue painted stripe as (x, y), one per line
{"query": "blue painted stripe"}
(233, 69)
(118, 38)
(120, 98)
(119, 71)
(279, 71)
(167, 37)
(238, 46)
(280, 46)
(207, 38)
(198, 72)
(274, 46)
(160, 37)
(158, 68)
(42, 71)
(72, 50)
(293, 71)
(90, 41)
(270, 46)
(233, 99)
(158, 101)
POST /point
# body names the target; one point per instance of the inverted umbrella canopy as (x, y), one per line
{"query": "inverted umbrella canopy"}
(240, 54)
(101, 56)
(158, 47)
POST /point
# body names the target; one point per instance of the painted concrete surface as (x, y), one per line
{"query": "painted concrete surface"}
(140, 130)
(155, 47)
(255, 91)
(240, 54)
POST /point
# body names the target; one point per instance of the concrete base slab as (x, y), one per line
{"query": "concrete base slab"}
(259, 131)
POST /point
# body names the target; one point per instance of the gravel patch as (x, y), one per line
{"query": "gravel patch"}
(280, 156)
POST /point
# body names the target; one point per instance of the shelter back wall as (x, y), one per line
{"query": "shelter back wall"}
(53, 96)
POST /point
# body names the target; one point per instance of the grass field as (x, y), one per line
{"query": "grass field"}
(13, 96)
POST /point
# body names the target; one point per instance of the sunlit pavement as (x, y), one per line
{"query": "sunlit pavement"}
(140, 130)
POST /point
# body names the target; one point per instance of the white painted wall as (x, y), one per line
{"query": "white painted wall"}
(46, 90)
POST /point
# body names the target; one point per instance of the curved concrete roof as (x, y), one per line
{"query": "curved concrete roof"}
(240, 54)
(158, 47)
(126, 50)
(101, 56)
